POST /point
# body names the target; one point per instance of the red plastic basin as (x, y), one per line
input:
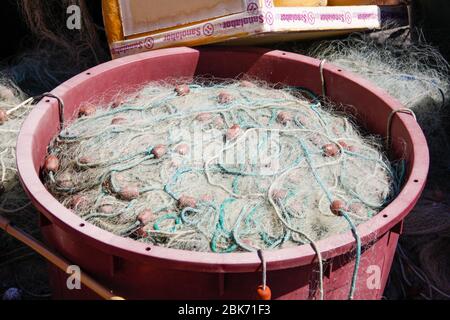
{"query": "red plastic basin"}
(139, 271)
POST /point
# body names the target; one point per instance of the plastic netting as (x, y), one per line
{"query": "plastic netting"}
(220, 166)
(418, 76)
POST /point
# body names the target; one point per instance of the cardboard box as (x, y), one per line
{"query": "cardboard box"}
(261, 21)
(364, 2)
(140, 16)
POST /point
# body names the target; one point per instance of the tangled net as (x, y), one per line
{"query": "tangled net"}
(417, 75)
(12, 113)
(219, 166)
(416, 78)
(14, 203)
(55, 53)
(422, 260)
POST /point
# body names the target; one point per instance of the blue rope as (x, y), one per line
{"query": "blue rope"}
(358, 255)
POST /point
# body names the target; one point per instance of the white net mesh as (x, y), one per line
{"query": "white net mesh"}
(219, 166)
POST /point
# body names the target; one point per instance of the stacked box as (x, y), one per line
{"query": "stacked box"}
(257, 21)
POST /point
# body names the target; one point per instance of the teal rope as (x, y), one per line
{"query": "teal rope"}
(170, 216)
(221, 231)
(358, 255)
(346, 217)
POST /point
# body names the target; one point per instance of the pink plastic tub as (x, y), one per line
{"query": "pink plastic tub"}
(137, 271)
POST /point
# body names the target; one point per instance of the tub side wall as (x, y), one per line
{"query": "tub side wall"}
(151, 281)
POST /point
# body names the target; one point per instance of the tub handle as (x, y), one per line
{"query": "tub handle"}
(389, 123)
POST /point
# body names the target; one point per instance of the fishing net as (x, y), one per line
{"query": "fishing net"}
(54, 53)
(219, 166)
(14, 203)
(418, 76)
(12, 113)
(422, 261)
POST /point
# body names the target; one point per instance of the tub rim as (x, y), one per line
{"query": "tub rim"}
(133, 250)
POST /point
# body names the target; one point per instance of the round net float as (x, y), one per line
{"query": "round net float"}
(146, 216)
(115, 104)
(264, 293)
(187, 202)
(211, 246)
(86, 110)
(343, 144)
(233, 132)
(337, 207)
(129, 192)
(182, 90)
(224, 97)
(284, 117)
(106, 209)
(143, 231)
(331, 150)
(182, 149)
(78, 202)
(3, 116)
(159, 151)
(51, 163)
(119, 120)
